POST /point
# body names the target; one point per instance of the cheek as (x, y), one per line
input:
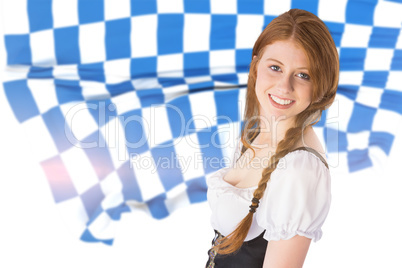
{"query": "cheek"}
(307, 94)
(264, 80)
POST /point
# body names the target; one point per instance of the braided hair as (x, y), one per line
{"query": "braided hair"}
(311, 34)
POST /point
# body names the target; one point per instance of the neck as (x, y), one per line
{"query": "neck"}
(273, 130)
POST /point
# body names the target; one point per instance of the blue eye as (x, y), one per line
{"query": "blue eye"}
(304, 76)
(275, 68)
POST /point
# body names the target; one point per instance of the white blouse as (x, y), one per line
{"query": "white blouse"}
(296, 201)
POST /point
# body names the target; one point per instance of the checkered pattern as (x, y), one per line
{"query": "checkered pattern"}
(128, 104)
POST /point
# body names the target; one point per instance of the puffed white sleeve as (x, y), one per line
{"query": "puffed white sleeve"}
(297, 198)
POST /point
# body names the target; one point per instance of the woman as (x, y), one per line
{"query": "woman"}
(269, 204)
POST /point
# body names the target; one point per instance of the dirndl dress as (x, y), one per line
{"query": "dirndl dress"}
(251, 254)
(296, 201)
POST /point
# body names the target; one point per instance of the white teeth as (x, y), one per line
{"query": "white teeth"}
(280, 101)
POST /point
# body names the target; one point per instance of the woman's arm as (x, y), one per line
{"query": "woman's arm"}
(289, 253)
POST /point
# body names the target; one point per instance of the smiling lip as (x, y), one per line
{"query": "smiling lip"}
(280, 106)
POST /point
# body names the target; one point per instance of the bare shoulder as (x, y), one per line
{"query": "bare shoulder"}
(311, 140)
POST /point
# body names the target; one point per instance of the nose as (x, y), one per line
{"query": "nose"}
(285, 85)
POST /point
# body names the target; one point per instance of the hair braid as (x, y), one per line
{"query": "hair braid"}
(234, 240)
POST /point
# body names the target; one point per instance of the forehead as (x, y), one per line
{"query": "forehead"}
(286, 51)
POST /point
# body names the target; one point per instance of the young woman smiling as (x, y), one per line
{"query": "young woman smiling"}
(274, 197)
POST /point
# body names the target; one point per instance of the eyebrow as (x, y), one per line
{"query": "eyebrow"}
(284, 64)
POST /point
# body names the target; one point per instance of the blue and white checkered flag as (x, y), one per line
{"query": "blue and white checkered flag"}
(129, 103)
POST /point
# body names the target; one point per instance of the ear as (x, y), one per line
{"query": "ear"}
(255, 56)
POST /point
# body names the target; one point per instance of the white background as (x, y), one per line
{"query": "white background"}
(363, 228)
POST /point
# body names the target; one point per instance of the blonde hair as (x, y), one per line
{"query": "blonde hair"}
(312, 35)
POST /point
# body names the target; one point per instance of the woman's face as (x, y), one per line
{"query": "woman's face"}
(283, 85)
